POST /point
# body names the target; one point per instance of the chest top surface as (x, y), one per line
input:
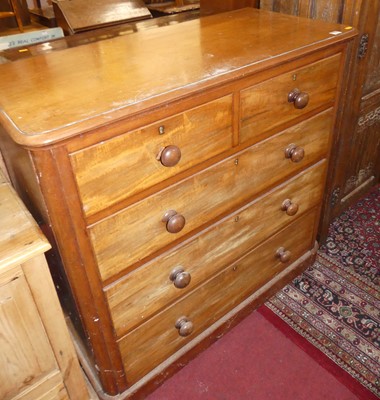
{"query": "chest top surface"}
(54, 96)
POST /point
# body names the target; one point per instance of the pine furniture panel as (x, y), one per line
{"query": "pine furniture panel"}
(37, 356)
(25, 357)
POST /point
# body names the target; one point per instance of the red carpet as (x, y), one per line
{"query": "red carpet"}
(257, 361)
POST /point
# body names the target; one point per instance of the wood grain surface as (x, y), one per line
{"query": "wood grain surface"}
(249, 180)
(145, 291)
(112, 78)
(138, 231)
(154, 341)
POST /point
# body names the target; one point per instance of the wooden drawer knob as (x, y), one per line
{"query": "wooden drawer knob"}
(289, 207)
(295, 153)
(169, 156)
(283, 255)
(180, 278)
(174, 221)
(298, 98)
(184, 326)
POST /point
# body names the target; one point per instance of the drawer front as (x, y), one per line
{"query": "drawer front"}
(149, 289)
(153, 342)
(111, 171)
(266, 106)
(138, 231)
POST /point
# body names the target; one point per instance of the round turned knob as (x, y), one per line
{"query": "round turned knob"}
(300, 99)
(180, 277)
(169, 156)
(174, 222)
(290, 208)
(295, 153)
(283, 255)
(184, 326)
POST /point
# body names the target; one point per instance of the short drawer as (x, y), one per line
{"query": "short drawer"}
(157, 339)
(113, 170)
(138, 231)
(266, 106)
(146, 291)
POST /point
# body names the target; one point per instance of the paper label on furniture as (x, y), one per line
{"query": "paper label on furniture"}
(29, 38)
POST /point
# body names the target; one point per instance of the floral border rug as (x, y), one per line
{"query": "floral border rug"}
(335, 304)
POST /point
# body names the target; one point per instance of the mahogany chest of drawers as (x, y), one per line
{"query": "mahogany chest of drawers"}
(181, 171)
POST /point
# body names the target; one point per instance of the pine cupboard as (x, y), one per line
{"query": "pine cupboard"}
(182, 179)
(37, 358)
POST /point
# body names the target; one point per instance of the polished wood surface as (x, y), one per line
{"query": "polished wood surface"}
(37, 356)
(155, 340)
(139, 231)
(146, 291)
(96, 35)
(127, 256)
(263, 107)
(124, 79)
(198, 133)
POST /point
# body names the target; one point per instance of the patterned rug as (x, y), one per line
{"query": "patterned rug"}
(335, 304)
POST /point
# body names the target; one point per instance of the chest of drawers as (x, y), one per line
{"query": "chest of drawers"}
(181, 171)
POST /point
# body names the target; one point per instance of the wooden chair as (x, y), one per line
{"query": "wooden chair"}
(13, 12)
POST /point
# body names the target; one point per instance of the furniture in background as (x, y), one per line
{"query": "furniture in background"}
(13, 12)
(37, 357)
(182, 177)
(42, 13)
(75, 16)
(167, 7)
(208, 7)
(27, 51)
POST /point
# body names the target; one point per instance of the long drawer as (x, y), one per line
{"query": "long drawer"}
(144, 292)
(266, 106)
(113, 170)
(153, 342)
(139, 231)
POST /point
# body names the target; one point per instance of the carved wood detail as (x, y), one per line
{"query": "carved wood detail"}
(369, 119)
(356, 180)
